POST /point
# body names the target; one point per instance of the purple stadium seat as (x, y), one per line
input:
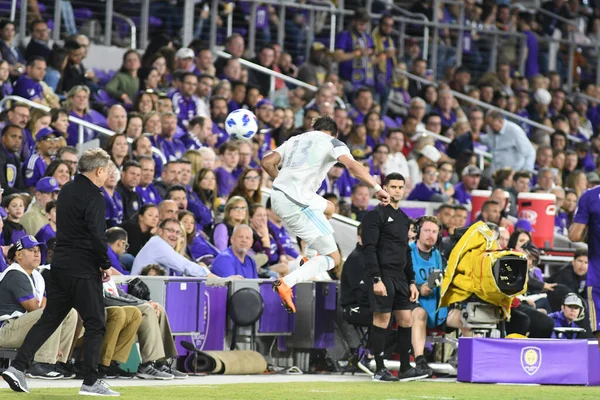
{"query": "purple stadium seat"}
(83, 14)
(98, 118)
(399, 121)
(154, 21)
(104, 98)
(389, 122)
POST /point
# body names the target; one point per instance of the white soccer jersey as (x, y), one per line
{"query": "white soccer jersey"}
(305, 161)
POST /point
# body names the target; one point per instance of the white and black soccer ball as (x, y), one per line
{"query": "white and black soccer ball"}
(241, 124)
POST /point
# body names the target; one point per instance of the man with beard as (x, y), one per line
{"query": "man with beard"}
(218, 114)
(35, 166)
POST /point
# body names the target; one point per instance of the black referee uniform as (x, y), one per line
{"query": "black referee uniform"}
(388, 258)
(76, 280)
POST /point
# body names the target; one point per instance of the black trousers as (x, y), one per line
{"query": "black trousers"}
(63, 293)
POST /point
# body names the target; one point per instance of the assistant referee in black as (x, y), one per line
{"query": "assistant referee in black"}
(389, 266)
(79, 266)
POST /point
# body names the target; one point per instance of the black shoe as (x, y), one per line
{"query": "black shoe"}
(105, 372)
(411, 374)
(422, 367)
(384, 376)
(65, 369)
(44, 371)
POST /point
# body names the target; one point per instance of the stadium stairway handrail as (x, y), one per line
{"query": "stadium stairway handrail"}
(488, 106)
(77, 121)
(132, 28)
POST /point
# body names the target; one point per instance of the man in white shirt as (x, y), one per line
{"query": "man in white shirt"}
(396, 161)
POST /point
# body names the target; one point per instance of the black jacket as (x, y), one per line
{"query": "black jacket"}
(354, 282)
(81, 248)
(385, 242)
(135, 237)
(37, 48)
(460, 143)
(11, 177)
(131, 201)
(567, 276)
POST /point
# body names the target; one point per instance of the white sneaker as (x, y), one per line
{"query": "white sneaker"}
(99, 388)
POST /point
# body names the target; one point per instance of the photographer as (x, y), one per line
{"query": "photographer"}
(389, 266)
(428, 266)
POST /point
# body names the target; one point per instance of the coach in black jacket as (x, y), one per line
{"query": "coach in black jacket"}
(389, 266)
(79, 265)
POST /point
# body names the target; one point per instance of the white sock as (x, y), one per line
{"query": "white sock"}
(310, 269)
(310, 253)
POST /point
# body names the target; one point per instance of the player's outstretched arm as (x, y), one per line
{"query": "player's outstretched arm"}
(358, 171)
(576, 232)
(270, 162)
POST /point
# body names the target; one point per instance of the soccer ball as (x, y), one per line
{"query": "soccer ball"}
(241, 124)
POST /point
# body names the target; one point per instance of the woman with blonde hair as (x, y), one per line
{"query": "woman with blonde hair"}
(38, 119)
(236, 213)
(577, 181)
(195, 157)
(78, 104)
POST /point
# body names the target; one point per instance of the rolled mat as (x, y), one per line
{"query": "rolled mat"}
(236, 362)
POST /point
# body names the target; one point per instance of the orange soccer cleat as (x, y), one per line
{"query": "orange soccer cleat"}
(286, 295)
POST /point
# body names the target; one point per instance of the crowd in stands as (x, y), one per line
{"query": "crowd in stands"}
(183, 199)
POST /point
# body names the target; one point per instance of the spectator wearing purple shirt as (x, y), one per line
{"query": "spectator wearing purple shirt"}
(470, 180)
(170, 146)
(198, 129)
(28, 85)
(428, 189)
(116, 239)
(146, 190)
(234, 261)
(35, 166)
(78, 104)
(229, 161)
(205, 186)
(236, 213)
(48, 231)
(218, 115)
(280, 237)
(363, 102)
(444, 108)
(336, 182)
(238, 94)
(112, 199)
(353, 50)
(379, 158)
(186, 104)
(198, 248)
(142, 146)
(532, 67)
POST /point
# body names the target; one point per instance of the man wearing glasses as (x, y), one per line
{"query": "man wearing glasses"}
(160, 250)
(35, 166)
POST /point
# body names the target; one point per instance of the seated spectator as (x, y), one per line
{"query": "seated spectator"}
(112, 198)
(144, 103)
(160, 250)
(60, 171)
(38, 45)
(236, 213)
(205, 186)
(198, 248)
(234, 261)
(249, 187)
(429, 266)
(118, 149)
(359, 201)
(36, 217)
(13, 230)
(471, 176)
(8, 51)
(48, 231)
(37, 163)
(141, 227)
(130, 179)
(125, 85)
(68, 155)
(22, 303)
(28, 85)
(170, 176)
(117, 247)
(336, 182)
(229, 160)
(459, 220)
(429, 189)
(11, 177)
(157, 347)
(245, 160)
(218, 115)
(574, 274)
(153, 270)
(571, 309)
(186, 104)
(503, 238)
(279, 236)
(74, 73)
(360, 145)
(78, 104)
(146, 189)
(178, 194)
(56, 60)
(122, 324)
(197, 130)
(425, 155)
(39, 119)
(6, 87)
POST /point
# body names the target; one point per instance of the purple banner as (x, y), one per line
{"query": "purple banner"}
(551, 362)
(212, 333)
(325, 305)
(414, 212)
(275, 319)
(181, 304)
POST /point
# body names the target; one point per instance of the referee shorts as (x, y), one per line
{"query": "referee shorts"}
(398, 296)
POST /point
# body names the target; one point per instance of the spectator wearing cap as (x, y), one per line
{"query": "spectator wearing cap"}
(538, 109)
(470, 181)
(112, 198)
(28, 85)
(508, 144)
(353, 51)
(22, 302)
(570, 311)
(186, 104)
(125, 84)
(427, 155)
(524, 225)
(160, 249)
(35, 217)
(593, 178)
(573, 275)
(184, 59)
(313, 70)
(130, 179)
(46, 147)
(11, 177)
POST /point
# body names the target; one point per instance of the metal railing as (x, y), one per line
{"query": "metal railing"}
(78, 121)
(273, 74)
(132, 29)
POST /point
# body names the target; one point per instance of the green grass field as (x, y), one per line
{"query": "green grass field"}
(331, 391)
